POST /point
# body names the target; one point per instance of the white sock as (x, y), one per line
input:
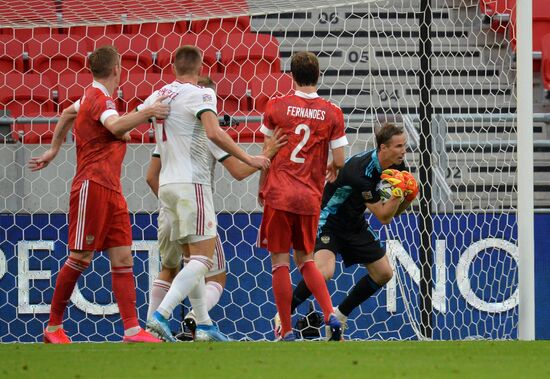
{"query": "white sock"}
(197, 298)
(339, 315)
(183, 283)
(132, 331)
(214, 292)
(159, 290)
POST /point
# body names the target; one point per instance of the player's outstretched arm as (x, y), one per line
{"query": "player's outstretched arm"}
(224, 141)
(240, 171)
(64, 124)
(119, 125)
(153, 174)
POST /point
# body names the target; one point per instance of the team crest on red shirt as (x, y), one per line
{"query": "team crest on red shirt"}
(110, 104)
(89, 239)
(206, 98)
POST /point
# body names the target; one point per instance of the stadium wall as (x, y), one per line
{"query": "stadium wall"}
(33, 248)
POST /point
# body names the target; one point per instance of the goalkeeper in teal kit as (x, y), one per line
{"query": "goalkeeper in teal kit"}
(342, 226)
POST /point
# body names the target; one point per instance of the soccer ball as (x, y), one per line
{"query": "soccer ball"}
(384, 189)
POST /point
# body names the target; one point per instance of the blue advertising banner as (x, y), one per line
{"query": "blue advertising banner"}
(474, 295)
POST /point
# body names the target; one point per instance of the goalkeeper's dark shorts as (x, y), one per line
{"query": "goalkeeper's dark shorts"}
(357, 247)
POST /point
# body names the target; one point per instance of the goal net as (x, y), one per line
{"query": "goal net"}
(449, 79)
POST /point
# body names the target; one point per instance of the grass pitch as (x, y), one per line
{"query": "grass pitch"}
(373, 360)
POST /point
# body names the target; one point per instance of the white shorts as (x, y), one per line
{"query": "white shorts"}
(171, 253)
(190, 211)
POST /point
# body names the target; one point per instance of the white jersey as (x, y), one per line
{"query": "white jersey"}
(216, 155)
(181, 138)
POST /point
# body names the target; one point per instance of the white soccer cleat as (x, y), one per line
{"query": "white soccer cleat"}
(205, 333)
(277, 326)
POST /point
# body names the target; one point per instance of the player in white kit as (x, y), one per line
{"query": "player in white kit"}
(185, 191)
(170, 252)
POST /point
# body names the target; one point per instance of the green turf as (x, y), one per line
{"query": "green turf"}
(473, 359)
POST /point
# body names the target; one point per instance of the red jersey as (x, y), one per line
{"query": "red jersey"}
(99, 153)
(296, 177)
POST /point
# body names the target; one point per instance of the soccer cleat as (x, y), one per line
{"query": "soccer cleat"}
(185, 336)
(289, 337)
(344, 326)
(57, 337)
(190, 322)
(277, 326)
(209, 333)
(334, 329)
(159, 325)
(142, 336)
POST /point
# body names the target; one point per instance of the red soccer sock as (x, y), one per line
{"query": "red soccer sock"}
(318, 287)
(64, 286)
(124, 289)
(282, 290)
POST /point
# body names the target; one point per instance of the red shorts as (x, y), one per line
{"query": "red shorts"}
(281, 230)
(98, 218)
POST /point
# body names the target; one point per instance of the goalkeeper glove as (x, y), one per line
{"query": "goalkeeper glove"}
(411, 186)
(395, 178)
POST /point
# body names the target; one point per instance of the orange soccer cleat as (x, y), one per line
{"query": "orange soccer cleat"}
(57, 337)
(142, 336)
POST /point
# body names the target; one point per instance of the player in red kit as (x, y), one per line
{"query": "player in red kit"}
(291, 190)
(98, 214)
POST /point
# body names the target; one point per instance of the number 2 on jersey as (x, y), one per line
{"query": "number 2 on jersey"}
(300, 146)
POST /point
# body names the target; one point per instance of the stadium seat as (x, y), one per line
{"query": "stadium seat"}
(93, 31)
(222, 25)
(53, 55)
(545, 65)
(71, 87)
(137, 88)
(23, 35)
(497, 12)
(263, 87)
(150, 28)
(232, 93)
(27, 95)
(136, 56)
(541, 27)
(11, 54)
(144, 133)
(97, 12)
(250, 54)
(246, 132)
(36, 132)
(167, 45)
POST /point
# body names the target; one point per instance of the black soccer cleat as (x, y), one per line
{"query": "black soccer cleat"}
(335, 329)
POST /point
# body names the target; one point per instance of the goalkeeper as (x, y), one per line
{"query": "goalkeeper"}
(342, 226)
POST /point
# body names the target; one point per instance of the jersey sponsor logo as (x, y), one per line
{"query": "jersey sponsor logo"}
(89, 239)
(367, 195)
(325, 239)
(206, 98)
(166, 91)
(305, 112)
(110, 104)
